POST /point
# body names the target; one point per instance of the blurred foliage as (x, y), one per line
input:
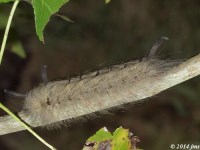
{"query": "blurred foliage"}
(3, 21)
(18, 49)
(107, 1)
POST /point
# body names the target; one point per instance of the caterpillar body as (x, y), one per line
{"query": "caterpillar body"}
(96, 91)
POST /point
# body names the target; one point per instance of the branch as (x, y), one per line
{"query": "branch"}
(150, 87)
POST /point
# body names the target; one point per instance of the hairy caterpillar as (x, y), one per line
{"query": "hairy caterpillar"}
(95, 91)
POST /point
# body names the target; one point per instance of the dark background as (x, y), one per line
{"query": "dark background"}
(106, 34)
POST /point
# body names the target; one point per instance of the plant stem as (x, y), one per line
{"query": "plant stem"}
(25, 126)
(8, 28)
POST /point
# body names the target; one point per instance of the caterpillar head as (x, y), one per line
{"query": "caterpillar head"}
(42, 103)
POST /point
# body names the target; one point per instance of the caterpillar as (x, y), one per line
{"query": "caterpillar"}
(51, 102)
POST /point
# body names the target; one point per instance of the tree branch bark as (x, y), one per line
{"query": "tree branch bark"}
(184, 71)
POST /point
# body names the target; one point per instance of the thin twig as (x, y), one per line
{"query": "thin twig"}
(8, 28)
(26, 127)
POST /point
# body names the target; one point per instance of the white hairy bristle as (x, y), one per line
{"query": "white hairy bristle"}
(111, 87)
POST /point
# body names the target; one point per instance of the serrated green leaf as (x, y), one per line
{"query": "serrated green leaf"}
(5, 1)
(18, 49)
(43, 9)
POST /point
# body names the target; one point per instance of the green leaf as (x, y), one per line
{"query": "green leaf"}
(5, 1)
(100, 136)
(43, 10)
(121, 139)
(18, 49)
